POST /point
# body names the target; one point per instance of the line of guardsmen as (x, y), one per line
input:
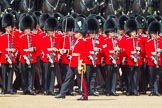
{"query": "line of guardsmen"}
(39, 47)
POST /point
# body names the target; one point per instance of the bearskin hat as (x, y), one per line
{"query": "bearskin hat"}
(142, 23)
(51, 24)
(27, 22)
(110, 25)
(7, 20)
(81, 25)
(16, 17)
(122, 21)
(131, 25)
(42, 19)
(93, 24)
(154, 27)
(68, 23)
(101, 20)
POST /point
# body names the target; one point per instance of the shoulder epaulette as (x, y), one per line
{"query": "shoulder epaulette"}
(22, 35)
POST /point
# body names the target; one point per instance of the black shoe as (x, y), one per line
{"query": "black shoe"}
(151, 94)
(3, 92)
(157, 94)
(82, 98)
(94, 94)
(71, 93)
(51, 93)
(30, 92)
(60, 96)
(11, 92)
(45, 92)
(108, 94)
(136, 94)
(114, 94)
(128, 94)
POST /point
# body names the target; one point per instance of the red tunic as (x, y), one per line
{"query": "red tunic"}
(151, 47)
(47, 42)
(24, 44)
(130, 47)
(78, 53)
(90, 48)
(7, 41)
(109, 50)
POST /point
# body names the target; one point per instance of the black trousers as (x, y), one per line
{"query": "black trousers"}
(27, 77)
(124, 77)
(153, 79)
(7, 77)
(111, 78)
(69, 80)
(49, 77)
(133, 78)
(91, 73)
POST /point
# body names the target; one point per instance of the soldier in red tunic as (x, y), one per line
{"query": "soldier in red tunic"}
(78, 53)
(8, 50)
(134, 51)
(142, 26)
(122, 40)
(153, 53)
(93, 57)
(27, 49)
(69, 39)
(50, 46)
(112, 56)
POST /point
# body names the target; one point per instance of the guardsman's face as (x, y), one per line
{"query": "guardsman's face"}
(69, 33)
(140, 31)
(121, 32)
(133, 34)
(27, 31)
(92, 35)
(78, 35)
(8, 29)
(50, 33)
(153, 35)
(111, 34)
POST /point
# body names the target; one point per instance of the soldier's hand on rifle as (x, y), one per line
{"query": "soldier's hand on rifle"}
(113, 61)
(138, 48)
(27, 62)
(72, 47)
(8, 59)
(158, 50)
(154, 60)
(31, 49)
(116, 49)
(11, 50)
(50, 60)
(55, 49)
(96, 49)
(63, 51)
(134, 59)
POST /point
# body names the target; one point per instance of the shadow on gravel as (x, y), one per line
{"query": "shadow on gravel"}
(8, 96)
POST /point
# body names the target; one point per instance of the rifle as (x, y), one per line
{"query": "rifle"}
(11, 53)
(157, 57)
(94, 55)
(136, 54)
(53, 54)
(115, 53)
(30, 54)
